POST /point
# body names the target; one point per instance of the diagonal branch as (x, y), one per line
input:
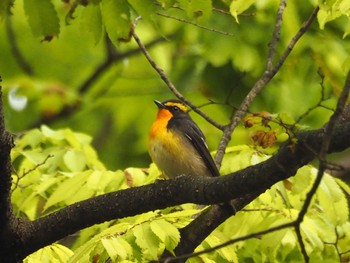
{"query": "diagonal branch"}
(168, 82)
(275, 35)
(258, 86)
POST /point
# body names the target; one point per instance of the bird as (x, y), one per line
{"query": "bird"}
(177, 145)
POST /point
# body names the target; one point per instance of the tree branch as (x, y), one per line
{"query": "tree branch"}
(259, 85)
(251, 181)
(168, 82)
(275, 34)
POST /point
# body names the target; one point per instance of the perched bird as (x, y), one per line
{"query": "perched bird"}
(177, 145)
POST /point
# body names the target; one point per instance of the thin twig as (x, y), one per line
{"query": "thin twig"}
(19, 177)
(167, 81)
(230, 242)
(275, 35)
(258, 86)
(195, 24)
(329, 129)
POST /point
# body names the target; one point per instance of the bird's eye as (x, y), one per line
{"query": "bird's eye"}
(176, 108)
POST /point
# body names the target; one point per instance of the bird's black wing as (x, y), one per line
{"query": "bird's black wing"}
(196, 137)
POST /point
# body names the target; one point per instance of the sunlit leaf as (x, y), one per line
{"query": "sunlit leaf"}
(166, 232)
(114, 248)
(237, 7)
(69, 188)
(75, 160)
(146, 240)
(52, 253)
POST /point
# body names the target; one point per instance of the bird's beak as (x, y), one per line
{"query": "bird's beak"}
(159, 104)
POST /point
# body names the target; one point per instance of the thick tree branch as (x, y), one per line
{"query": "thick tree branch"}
(8, 223)
(253, 181)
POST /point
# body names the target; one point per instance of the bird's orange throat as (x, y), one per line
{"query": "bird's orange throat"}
(159, 126)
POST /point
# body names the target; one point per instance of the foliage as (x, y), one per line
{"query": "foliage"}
(74, 64)
(209, 56)
(56, 168)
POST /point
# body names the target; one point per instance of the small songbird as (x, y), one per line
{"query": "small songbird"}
(177, 145)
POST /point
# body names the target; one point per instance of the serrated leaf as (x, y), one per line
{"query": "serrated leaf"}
(114, 248)
(93, 242)
(237, 7)
(146, 240)
(42, 18)
(166, 232)
(116, 19)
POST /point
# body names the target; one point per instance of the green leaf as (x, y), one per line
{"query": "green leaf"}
(52, 253)
(146, 240)
(217, 238)
(70, 189)
(91, 21)
(84, 250)
(42, 18)
(145, 8)
(302, 180)
(332, 199)
(237, 7)
(314, 241)
(32, 138)
(115, 248)
(166, 232)
(200, 9)
(75, 160)
(116, 19)
(343, 185)
(4, 8)
(331, 10)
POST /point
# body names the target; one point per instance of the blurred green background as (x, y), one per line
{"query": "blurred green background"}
(81, 80)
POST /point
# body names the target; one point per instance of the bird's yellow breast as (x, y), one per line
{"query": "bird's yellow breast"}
(174, 154)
